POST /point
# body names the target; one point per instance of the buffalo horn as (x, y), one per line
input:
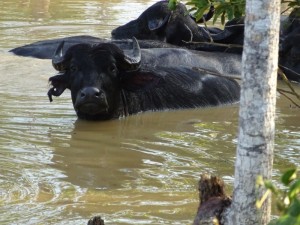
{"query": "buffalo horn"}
(58, 58)
(134, 61)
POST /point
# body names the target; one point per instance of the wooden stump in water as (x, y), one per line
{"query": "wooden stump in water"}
(96, 221)
(213, 201)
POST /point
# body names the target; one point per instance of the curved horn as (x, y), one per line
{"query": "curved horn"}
(156, 25)
(133, 62)
(58, 58)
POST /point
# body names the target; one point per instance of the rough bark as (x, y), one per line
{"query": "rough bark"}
(257, 112)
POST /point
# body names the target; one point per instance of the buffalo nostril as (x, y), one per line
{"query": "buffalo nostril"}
(90, 92)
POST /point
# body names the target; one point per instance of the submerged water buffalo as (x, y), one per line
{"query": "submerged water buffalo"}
(291, 23)
(158, 22)
(176, 27)
(289, 60)
(106, 83)
(289, 51)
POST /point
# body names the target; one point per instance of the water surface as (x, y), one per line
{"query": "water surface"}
(143, 169)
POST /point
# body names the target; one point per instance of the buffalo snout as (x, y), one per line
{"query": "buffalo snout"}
(91, 100)
(89, 93)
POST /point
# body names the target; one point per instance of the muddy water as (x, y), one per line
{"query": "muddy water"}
(55, 169)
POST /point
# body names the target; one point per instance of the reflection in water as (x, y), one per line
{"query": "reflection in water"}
(142, 169)
(128, 147)
(94, 157)
(131, 162)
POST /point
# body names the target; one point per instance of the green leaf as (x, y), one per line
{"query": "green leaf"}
(223, 18)
(294, 209)
(294, 190)
(218, 11)
(230, 11)
(192, 3)
(198, 3)
(239, 10)
(192, 9)
(200, 12)
(288, 220)
(172, 4)
(269, 185)
(288, 176)
(259, 180)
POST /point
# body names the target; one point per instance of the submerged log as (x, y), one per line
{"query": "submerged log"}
(96, 221)
(213, 201)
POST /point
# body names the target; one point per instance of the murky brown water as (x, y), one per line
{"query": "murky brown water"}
(144, 169)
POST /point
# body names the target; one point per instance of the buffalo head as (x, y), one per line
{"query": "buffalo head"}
(158, 22)
(92, 73)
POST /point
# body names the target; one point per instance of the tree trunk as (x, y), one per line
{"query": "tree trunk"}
(257, 112)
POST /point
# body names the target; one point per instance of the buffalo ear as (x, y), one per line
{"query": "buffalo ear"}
(158, 24)
(140, 80)
(59, 84)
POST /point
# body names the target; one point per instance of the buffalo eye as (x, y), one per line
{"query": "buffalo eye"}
(112, 68)
(73, 68)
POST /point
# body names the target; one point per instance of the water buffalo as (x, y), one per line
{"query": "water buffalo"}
(289, 48)
(230, 39)
(106, 83)
(176, 27)
(291, 23)
(289, 55)
(158, 22)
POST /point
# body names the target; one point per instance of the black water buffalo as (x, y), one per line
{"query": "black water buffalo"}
(289, 55)
(176, 27)
(289, 50)
(158, 22)
(106, 83)
(230, 39)
(291, 23)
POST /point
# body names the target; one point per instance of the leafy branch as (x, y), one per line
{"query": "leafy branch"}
(224, 9)
(287, 200)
